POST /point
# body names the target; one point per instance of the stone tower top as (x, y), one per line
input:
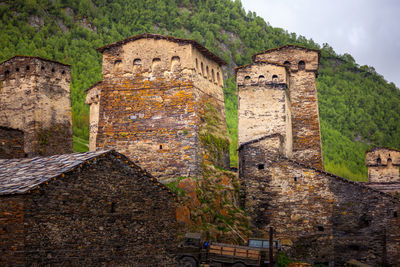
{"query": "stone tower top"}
(294, 57)
(383, 164)
(35, 110)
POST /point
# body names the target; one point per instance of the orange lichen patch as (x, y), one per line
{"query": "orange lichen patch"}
(189, 186)
(183, 215)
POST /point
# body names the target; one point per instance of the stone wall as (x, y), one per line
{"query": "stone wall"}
(383, 165)
(35, 97)
(152, 106)
(317, 216)
(303, 98)
(264, 105)
(11, 143)
(107, 211)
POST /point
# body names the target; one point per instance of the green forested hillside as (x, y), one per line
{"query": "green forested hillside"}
(358, 108)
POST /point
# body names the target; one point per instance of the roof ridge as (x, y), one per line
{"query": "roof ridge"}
(200, 47)
(35, 57)
(258, 140)
(286, 46)
(258, 62)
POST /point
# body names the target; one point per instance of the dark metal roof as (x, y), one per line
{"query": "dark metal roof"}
(201, 48)
(31, 57)
(21, 175)
(285, 47)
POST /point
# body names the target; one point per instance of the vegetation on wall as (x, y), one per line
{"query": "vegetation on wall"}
(358, 108)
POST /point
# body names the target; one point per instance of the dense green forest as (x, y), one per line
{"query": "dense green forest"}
(358, 108)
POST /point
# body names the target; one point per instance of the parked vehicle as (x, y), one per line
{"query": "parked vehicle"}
(194, 251)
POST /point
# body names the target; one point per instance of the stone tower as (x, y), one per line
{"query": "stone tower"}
(35, 110)
(160, 103)
(264, 105)
(302, 65)
(383, 165)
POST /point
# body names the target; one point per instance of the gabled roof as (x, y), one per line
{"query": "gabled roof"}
(20, 175)
(201, 48)
(259, 139)
(372, 149)
(30, 57)
(259, 62)
(285, 47)
(94, 85)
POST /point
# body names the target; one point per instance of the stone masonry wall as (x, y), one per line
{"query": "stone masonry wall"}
(35, 97)
(152, 105)
(107, 211)
(303, 98)
(317, 216)
(11, 143)
(264, 106)
(11, 231)
(383, 165)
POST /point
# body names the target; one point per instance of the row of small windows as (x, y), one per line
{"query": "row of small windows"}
(261, 79)
(27, 68)
(137, 63)
(301, 64)
(206, 74)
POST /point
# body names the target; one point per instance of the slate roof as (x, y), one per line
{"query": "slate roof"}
(202, 49)
(31, 57)
(20, 175)
(286, 47)
(372, 149)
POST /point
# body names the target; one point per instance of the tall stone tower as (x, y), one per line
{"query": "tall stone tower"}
(160, 103)
(302, 65)
(383, 165)
(35, 110)
(264, 104)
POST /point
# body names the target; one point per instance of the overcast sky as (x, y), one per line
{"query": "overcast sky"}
(369, 30)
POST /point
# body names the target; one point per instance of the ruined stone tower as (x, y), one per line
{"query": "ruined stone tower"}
(35, 110)
(160, 103)
(302, 65)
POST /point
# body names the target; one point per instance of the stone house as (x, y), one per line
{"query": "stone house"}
(160, 103)
(35, 111)
(319, 217)
(84, 209)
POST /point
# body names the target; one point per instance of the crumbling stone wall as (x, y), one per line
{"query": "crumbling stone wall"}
(264, 105)
(317, 216)
(383, 165)
(302, 64)
(11, 143)
(107, 211)
(151, 105)
(35, 99)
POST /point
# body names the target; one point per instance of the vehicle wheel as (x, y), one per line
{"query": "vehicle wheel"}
(238, 264)
(187, 262)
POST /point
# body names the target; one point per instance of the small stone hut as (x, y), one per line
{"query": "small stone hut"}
(84, 209)
(35, 110)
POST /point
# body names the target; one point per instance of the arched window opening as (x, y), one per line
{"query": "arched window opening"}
(197, 65)
(155, 65)
(202, 69)
(117, 65)
(218, 78)
(42, 68)
(275, 78)
(295, 179)
(212, 76)
(53, 70)
(27, 67)
(247, 80)
(261, 79)
(286, 63)
(208, 73)
(379, 161)
(17, 69)
(137, 63)
(63, 72)
(260, 166)
(395, 214)
(161, 147)
(112, 209)
(320, 228)
(175, 63)
(6, 73)
(389, 162)
(302, 65)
